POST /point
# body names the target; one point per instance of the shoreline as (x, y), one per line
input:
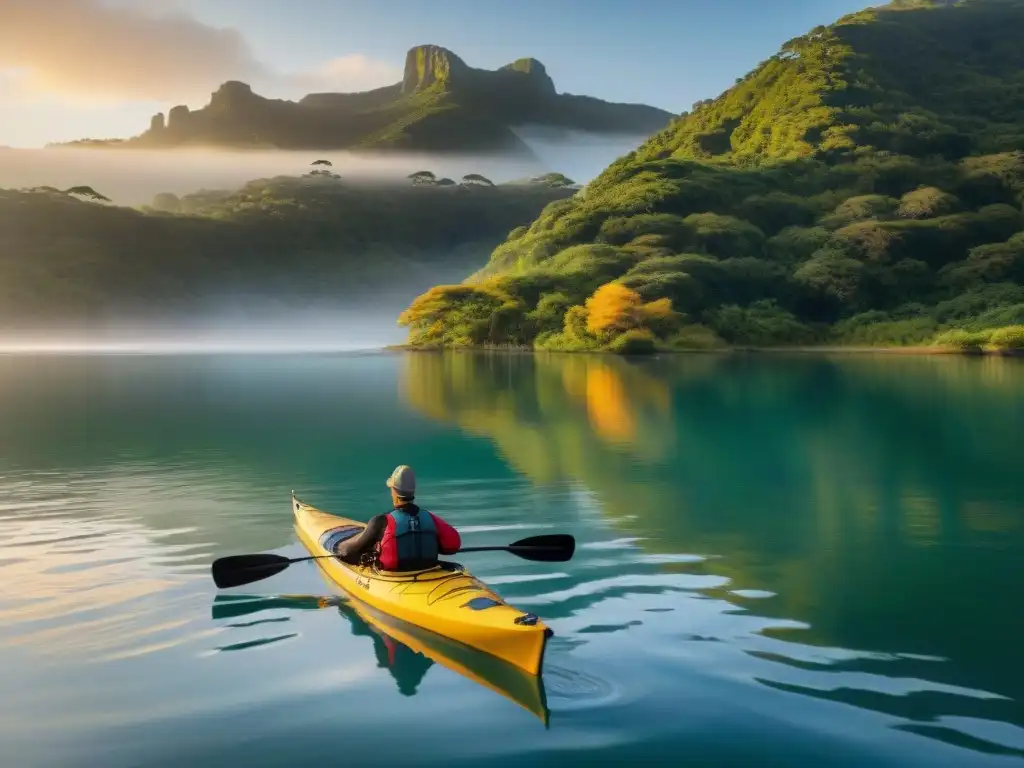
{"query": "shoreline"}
(188, 351)
(801, 350)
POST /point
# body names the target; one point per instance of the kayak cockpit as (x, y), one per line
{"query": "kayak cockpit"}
(330, 540)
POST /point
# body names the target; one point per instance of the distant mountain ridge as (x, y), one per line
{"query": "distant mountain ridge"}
(441, 105)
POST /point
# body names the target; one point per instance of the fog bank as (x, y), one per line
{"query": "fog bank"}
(334, 329)
(133, 176)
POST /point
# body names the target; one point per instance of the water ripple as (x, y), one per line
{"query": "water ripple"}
(86, 583)
(627, 584)
(690, 619)
(573, 689)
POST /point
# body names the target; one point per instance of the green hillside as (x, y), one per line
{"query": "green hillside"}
(287, 241)
(441, 105)
(863, 186)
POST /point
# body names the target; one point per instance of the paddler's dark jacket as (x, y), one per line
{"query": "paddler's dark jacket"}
(378, 538)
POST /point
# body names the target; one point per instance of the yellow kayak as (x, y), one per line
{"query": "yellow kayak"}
(447, 600)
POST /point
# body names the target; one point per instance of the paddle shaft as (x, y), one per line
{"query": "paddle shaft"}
(509, 547)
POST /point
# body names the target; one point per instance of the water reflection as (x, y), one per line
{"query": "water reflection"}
(793, 547)
(867, 504)
(81, 581)
(207, 448)
(406, 651)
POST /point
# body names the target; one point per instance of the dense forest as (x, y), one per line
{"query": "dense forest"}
(863, 186)
(71, 256)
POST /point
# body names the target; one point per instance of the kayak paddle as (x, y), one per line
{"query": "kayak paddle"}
(236, 570)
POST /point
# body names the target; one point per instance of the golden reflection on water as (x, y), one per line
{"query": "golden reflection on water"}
(608, 406)
(990, 517)
(92, 567)
(91, 599)
(486, 395)
(921, 522)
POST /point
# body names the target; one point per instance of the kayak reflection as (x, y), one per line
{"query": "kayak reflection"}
(405, 650)
(405, 665)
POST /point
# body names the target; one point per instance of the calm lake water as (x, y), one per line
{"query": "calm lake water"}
(782, 560)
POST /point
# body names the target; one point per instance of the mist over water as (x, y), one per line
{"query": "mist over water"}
(133, 176)
(262, 326)
(248, 322)
(338, 330)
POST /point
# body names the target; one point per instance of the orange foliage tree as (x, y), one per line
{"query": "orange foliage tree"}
(614, 309)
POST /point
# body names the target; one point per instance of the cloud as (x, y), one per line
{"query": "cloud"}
(355, 72)
(87, 52)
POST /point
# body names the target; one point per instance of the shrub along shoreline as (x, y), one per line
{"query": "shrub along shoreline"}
(616, 318)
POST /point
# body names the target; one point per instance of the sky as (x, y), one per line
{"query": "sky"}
(101, 68)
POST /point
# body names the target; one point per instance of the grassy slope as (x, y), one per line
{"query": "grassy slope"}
(864, 185)
(322, 238)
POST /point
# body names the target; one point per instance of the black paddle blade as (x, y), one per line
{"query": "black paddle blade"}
(236, 570)
(553, 548)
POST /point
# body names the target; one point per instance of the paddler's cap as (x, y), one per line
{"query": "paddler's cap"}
(403, 480)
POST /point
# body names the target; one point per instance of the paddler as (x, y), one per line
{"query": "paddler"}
(407, 538)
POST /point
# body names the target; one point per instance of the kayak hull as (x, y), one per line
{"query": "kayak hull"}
(447, 600)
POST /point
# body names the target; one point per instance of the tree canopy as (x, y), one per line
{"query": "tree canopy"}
(476, 178)
(87, 192)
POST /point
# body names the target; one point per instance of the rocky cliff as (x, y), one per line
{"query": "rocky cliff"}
(441, 104)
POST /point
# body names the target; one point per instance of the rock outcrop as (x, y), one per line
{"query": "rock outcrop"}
(531, 74)
(178, 117)
(427, 65)
(233, 95)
